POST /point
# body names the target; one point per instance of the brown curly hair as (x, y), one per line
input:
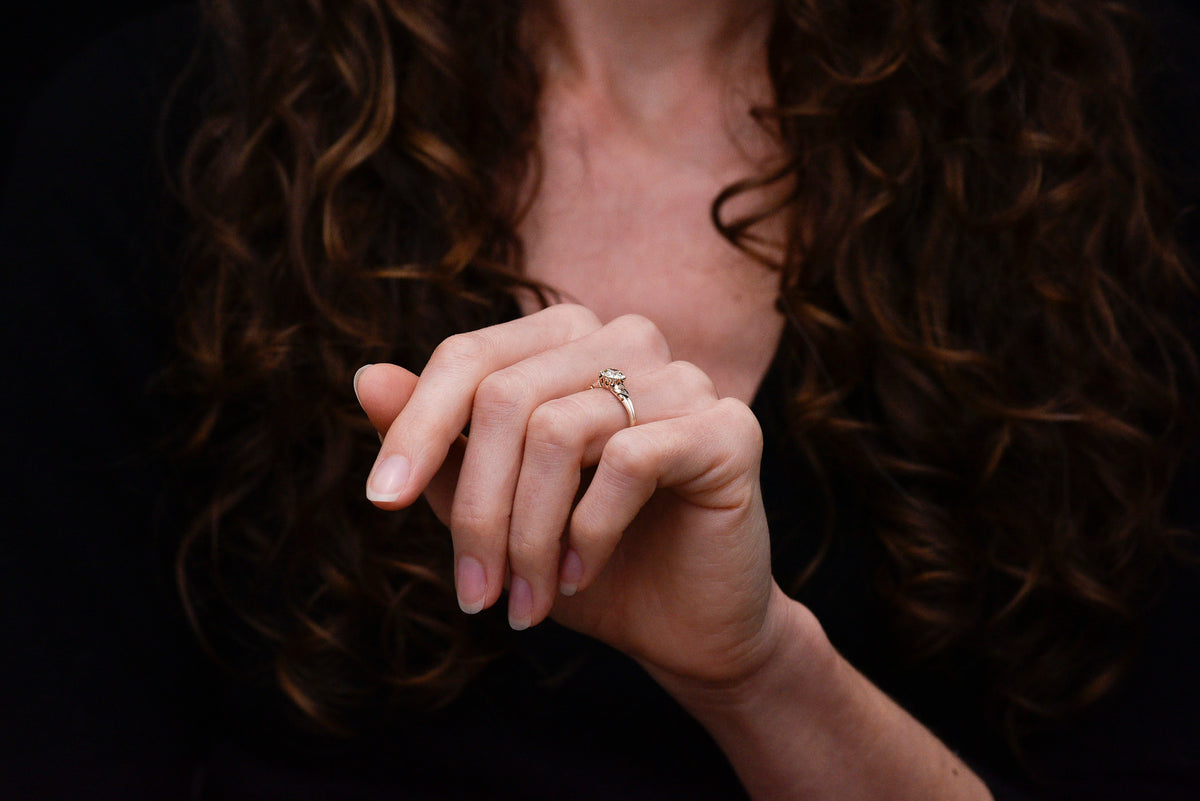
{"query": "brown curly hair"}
(981, 266)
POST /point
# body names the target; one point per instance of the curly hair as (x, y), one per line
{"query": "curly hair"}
(980, 264)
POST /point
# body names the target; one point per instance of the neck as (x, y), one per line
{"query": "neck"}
(648, 56)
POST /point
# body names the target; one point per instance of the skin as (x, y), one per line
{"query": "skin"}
(666, 555)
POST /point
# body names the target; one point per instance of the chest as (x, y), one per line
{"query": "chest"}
(626, 230)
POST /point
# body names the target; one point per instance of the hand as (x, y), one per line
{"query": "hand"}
(666, 554)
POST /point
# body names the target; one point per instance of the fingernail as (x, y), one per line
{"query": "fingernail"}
(520, 604)
(570, 573)
(388, 479)
(356, 375)
(471, 583)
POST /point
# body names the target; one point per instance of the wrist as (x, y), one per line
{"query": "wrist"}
(791, 650)
(802, 723)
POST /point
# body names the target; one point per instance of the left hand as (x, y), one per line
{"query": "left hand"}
(665, 556)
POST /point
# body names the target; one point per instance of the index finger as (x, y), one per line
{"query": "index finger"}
(382, 391)
(418, 440)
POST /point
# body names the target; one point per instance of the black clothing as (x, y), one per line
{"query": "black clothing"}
(106, 694)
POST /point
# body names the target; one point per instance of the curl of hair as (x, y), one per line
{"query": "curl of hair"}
(980, 264)
(356, 170)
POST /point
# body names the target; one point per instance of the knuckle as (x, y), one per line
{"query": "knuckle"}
(470, 522)
(461, 350)
(739, 422)
(580, 315)
(625, 456)
(587, 531)
(554, 426)
(500, 397)
(692, 380)
(525, 552)
(643, 333)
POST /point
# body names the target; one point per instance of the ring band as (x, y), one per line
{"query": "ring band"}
(614, 382)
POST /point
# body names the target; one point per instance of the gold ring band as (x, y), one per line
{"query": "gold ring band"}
(614, 382)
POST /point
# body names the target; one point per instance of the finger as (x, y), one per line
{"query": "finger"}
(504, 402)
(564, 436)
(710, 459)
(440, 407)
(383, 390)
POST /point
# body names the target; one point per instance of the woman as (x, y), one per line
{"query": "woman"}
(923, 241)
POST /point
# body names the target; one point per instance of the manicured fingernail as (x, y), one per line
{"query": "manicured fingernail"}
(388, 479)
(471, 583)
(520, 604)
(356, 375)
(570, 573)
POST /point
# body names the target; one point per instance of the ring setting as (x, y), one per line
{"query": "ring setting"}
(614, 381)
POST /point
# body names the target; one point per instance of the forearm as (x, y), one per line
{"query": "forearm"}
(807, 725)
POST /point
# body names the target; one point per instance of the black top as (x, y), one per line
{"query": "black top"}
(105, 694)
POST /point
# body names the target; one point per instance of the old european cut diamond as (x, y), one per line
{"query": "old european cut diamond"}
(614, 381)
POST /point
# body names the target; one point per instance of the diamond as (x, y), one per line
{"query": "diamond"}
(612, 375)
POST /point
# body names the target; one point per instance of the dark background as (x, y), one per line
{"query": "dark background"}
(38, 38)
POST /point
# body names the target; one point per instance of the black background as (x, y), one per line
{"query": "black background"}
(38, 38)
